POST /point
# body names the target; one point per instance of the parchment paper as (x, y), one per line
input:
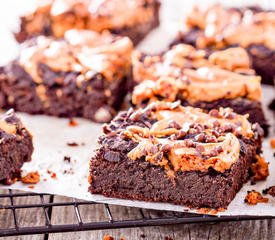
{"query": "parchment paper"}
(51, 136)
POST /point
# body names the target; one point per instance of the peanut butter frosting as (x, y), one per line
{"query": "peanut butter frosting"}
(82, 51)
(96, 15)
(186, 71)
(222, 27)
(187, 138)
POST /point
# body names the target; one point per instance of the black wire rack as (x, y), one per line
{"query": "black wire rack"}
(110, 223)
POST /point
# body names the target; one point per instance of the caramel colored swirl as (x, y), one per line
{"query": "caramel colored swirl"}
(223, 27)
(96, 15)
(82, 51)
(188, 138)
(184, 70)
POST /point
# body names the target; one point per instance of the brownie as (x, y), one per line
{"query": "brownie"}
(250, 27)
(15, 147)
(134, 19)
(86, 74)
(170, 153)
(199, 79)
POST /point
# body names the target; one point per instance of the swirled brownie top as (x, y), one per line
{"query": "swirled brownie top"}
(190, 72)
(82, 51)
(222, 27)
(186, 138)
(96, 15)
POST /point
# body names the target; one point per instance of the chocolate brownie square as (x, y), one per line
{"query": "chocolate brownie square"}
(15, 147)
(86, 74)
(134, 19)
(218, 27)
(170, 153)
(199, 79)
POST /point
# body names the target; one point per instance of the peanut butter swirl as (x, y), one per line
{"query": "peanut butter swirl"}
(187, 138)
(222, 27)
(9, 127)
(82, 51)
(96, 15)
(186, 71)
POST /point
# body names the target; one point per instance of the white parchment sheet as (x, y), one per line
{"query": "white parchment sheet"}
(51, 136)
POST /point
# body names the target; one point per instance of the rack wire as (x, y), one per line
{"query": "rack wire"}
(110, 223)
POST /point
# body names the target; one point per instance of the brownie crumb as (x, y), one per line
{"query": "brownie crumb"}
(168, 238)
(31, 187)
(270, 191)
(31, 177)
(272, 143)
(53, 174)
(72, 144)
(67, 159)
(73, 123)
(142, 235)
(253, 197)
(259, 169)
(108, 237)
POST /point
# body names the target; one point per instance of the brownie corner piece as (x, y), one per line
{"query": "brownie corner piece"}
(53, 18)
(15, 147)
(170, 153)
(86, 74)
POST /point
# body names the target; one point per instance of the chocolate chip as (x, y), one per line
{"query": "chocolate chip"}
(189, 143)
(112, 156)
(135, 116)
(214, 113)
(216, 123)
(174, 124)
(153, 150)
(230, 115)
(200, 148)
(219, 149)
(181, 134)
(200, 137)
(165, 148)
(211, 139)
(66, 158)
(214, 153)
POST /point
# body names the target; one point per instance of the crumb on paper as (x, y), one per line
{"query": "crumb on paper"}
(259, 169)
(45, 179)
(73, 123)
(108, 237)
(67, 159)
(272, 143)
(69, 171)
(31, 187)
(270, 191)
(72, 144)
(75, 161)
(253, 197)
(31, 177)
(53, 174)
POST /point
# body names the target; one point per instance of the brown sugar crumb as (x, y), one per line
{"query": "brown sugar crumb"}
(31, 187)
(72, 144)
(253, 197)
(73, 123)
(67, 159)
(108, 237)
(270, 191)
(259, 169)
(31, 177)
(272, 143)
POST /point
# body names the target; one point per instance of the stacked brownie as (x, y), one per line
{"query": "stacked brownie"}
(169, 153)
(221, 79)
(15, 147)
(134, 19)
(86, 74)
(218, 28)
